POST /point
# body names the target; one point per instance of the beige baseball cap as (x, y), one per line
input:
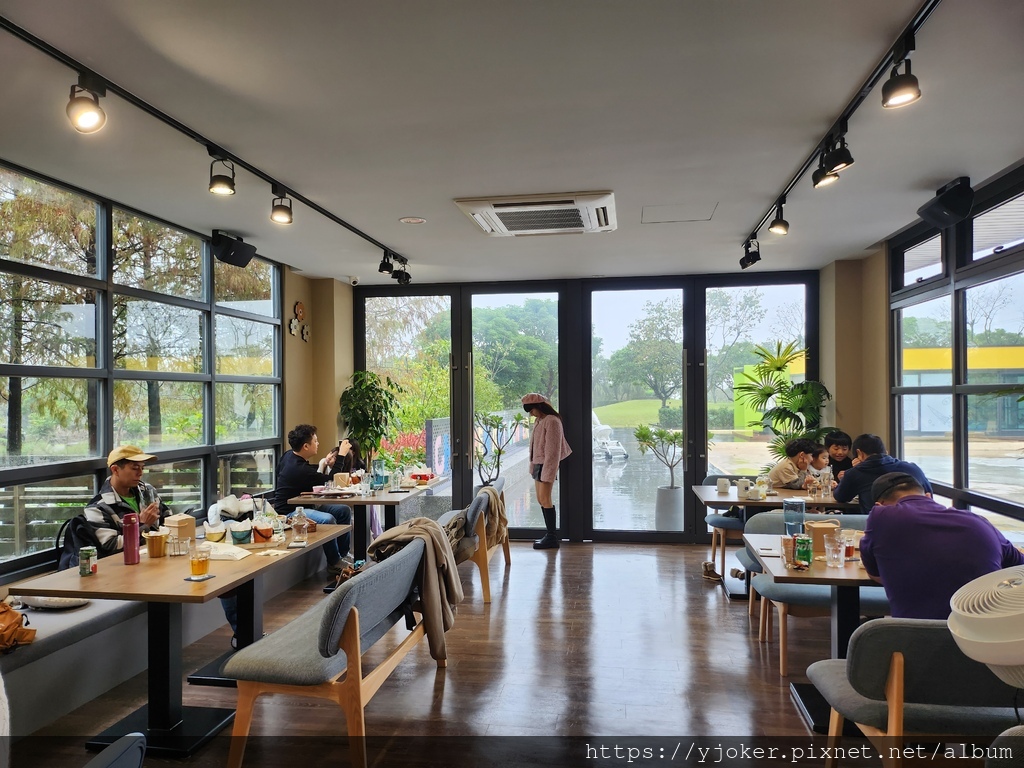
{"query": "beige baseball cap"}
(128, 453)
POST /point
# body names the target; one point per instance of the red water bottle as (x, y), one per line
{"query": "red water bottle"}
(130, 531)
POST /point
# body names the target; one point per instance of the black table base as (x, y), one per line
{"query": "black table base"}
(209, 674)
(815, 711)
(197, 727)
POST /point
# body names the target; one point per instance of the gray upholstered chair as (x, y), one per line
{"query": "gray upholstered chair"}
(723, 527)
(319, 654)
(1007, 751)
(907, 677)
(473, 544)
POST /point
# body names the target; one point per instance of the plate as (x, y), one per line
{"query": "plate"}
(54, 603)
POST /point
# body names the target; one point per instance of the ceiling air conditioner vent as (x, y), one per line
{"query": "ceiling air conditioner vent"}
(559, 214)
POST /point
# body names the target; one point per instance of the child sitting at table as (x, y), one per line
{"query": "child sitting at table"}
(838, 444)
(791, 472)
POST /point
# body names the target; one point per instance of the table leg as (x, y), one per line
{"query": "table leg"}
(250, 629)
(845, 619)
(360, 527)
(171, 729)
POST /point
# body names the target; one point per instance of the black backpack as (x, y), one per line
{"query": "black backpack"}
(73, 535)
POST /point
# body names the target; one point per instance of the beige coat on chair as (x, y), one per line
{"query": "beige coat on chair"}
(439, 584)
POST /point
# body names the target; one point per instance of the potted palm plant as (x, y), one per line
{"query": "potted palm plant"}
(668, 446)
(790, 410)
(367, 409)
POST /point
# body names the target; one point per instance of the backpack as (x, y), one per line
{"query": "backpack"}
(73, 535)
(12, 629)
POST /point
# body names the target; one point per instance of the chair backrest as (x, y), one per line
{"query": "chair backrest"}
(126, 752)
(772, 521)
(476, 508)
(376, 593)
(936, 671)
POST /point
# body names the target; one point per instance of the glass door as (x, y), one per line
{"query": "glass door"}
(514, 352)
(637, 377)
(409, 339)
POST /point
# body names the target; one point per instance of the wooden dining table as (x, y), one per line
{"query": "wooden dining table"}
(360, 499)
(845, 583)
(173, 730)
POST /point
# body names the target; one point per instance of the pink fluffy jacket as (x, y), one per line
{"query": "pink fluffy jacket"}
(548, 446)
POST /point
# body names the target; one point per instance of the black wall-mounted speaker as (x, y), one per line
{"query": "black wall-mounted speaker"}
(231, 250)
(951, 204)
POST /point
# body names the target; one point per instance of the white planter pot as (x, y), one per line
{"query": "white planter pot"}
(668, 509)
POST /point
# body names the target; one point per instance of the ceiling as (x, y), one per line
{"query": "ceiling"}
(382, 109)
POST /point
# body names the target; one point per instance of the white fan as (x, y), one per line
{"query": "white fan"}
(987, 622)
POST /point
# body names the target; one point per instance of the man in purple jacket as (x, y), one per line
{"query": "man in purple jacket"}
(923, 552)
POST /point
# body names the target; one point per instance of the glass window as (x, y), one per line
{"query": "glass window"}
(244, 347)
(31, 514)
(995, 444)
(248, 289)
(158, 414)
(637, 368)
(155, 257)
(928, 434)
(179, 483)
(1000, 228)
(45, 420)
(922, 261)
(44, 323)
(926, 343)
(995, 331)
(738, 320)
(151, 336)
(245, 411)
(248, 472)
(46, 226)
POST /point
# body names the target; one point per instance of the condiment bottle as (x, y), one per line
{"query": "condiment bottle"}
(130, 537)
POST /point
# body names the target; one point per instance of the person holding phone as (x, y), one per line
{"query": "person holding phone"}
(350, 457)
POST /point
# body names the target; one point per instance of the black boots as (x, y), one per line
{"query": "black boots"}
(550, 540)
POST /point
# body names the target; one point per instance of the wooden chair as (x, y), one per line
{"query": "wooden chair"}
(907, 677)
(319, 654)
(723, 527)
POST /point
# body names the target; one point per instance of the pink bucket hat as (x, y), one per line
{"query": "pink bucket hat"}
(533, 399)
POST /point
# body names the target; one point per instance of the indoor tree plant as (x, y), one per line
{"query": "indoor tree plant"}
(493, 434)
(668, 446)
(367, 409)
(790, 410)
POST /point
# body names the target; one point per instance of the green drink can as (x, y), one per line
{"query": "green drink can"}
(87, 559)
(803, 550)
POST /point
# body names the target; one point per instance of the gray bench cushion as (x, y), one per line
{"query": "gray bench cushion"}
(57, 629)
(305, 651)
(468, 544)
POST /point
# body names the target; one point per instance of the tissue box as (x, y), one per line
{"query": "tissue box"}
(182, 526)
(817, 529)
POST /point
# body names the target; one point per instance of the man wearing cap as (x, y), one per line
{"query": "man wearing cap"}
(923, 552)
(124, 492)
(871, 461)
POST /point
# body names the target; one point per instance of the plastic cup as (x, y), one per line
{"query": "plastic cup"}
(786, 548)
(835, 551)
(199, 560)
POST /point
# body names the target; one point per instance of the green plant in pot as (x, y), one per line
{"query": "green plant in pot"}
(669, 447)
(790, 410)
(493, 434)
(367, 409)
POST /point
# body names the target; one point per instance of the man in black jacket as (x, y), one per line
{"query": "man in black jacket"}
(295, 476)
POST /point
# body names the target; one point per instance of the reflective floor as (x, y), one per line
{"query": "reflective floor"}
(591, 640)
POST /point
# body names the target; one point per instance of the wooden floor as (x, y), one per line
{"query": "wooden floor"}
(591, 640)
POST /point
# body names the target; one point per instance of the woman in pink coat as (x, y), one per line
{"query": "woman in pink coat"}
(547, 449)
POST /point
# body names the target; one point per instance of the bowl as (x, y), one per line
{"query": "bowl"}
(319, 488)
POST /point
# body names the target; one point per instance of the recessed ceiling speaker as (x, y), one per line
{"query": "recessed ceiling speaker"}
(231, 250)
(951, 204)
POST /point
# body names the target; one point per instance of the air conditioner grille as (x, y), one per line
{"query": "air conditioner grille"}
(523, 221)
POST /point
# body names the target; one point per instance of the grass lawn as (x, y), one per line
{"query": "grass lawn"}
(630, 413)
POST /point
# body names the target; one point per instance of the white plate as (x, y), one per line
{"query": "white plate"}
(54, 603)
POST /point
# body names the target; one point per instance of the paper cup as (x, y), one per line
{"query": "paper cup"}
(723, 485)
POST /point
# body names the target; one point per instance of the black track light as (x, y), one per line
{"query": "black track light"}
(751, 253)
(386, 267)
(222, 178)
(900, 90)
(281, 207)
(83, 108)
(821, 176)
(403, 277)
(779, 225)
(839, 158)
